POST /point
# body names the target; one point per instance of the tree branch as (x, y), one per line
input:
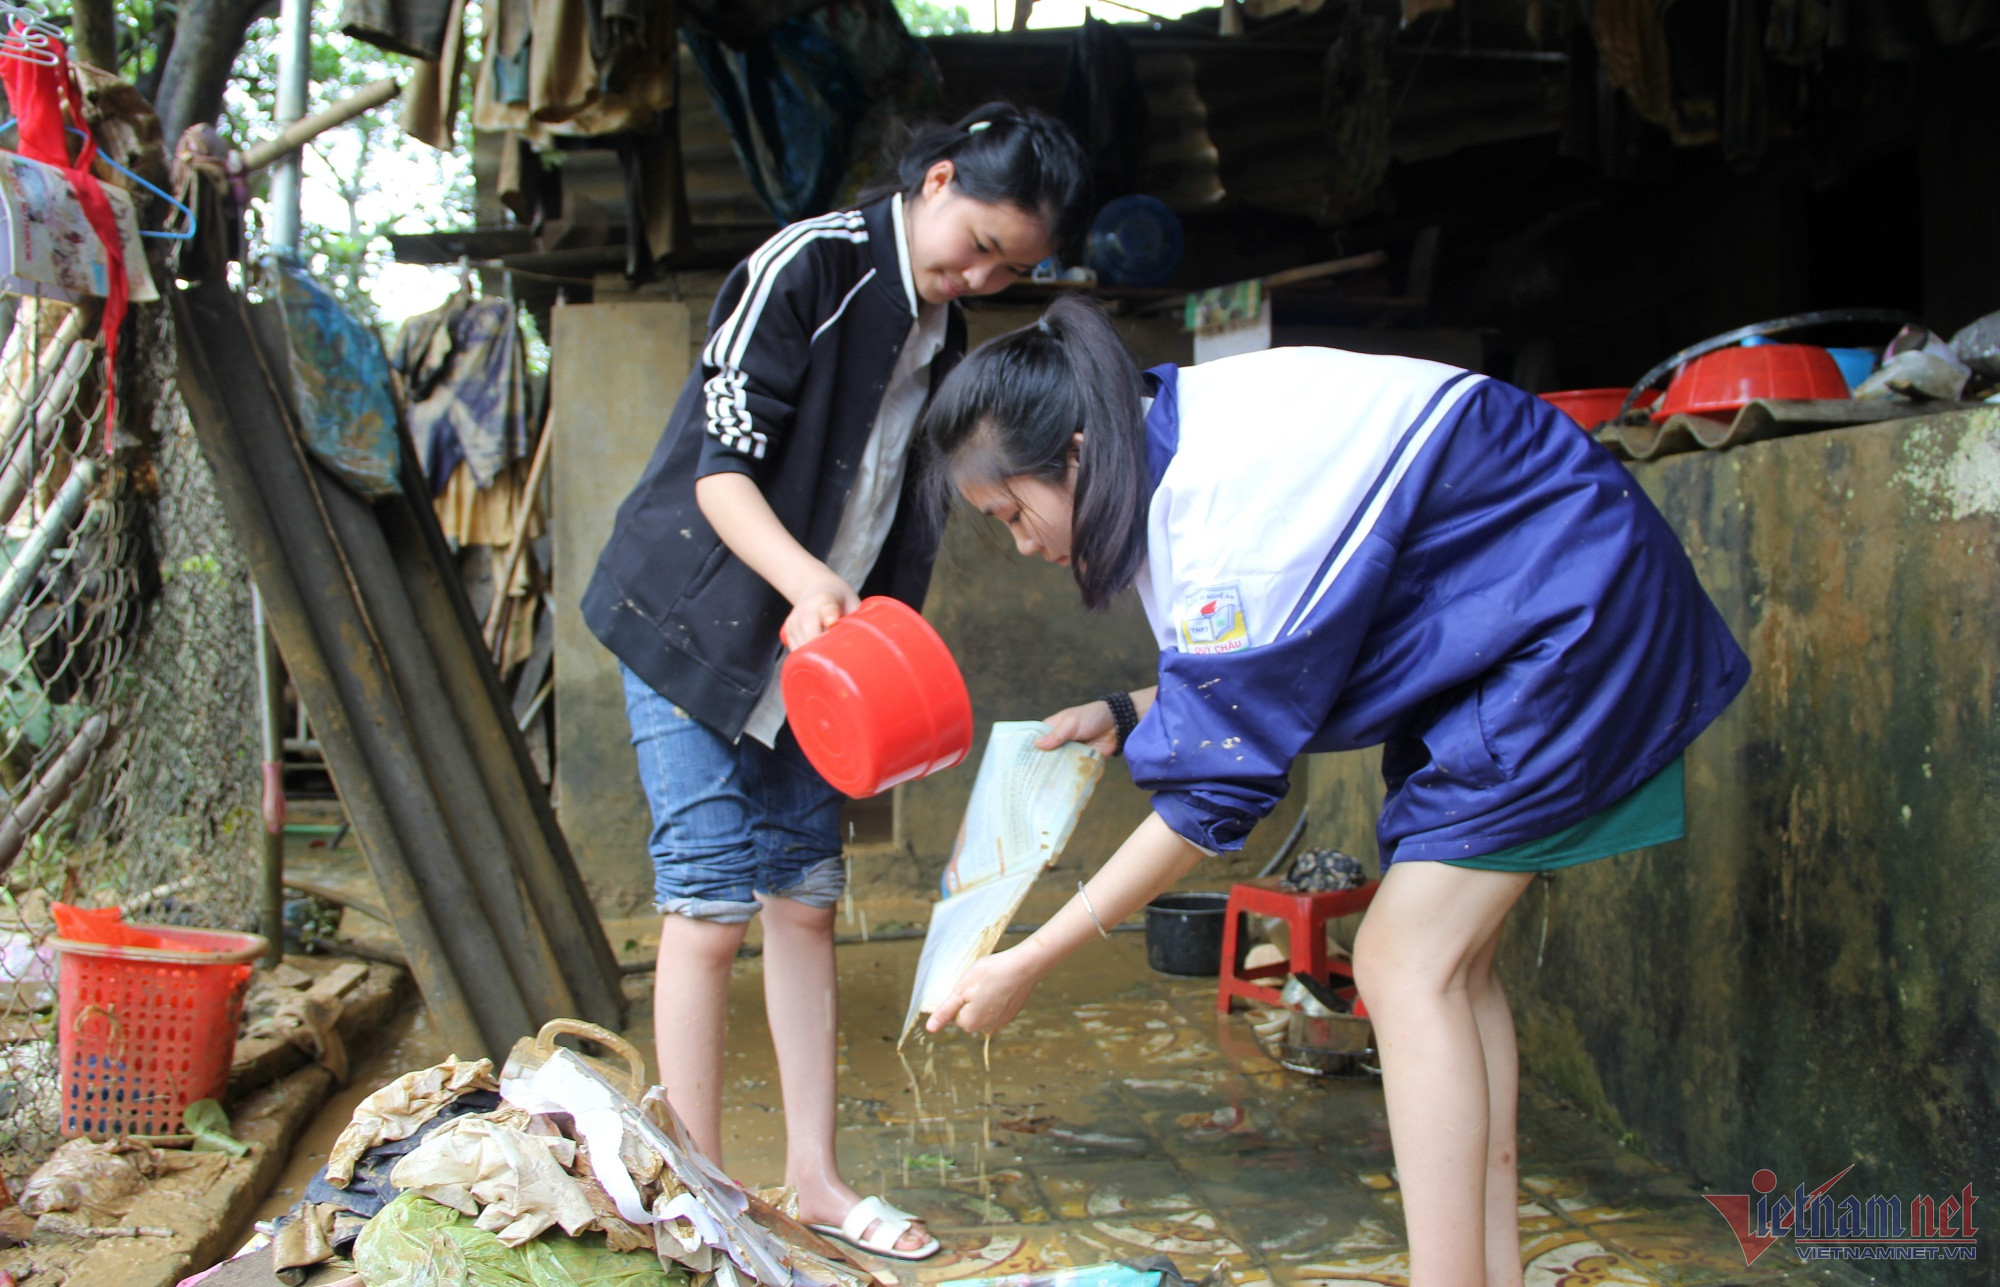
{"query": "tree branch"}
(94, 33)
(207, 36)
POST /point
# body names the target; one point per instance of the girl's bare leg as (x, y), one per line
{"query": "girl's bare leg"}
(1415, 958)
(690, 1014)
(1503, 1092)
(799, 984)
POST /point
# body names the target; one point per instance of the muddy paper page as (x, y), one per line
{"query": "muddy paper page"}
(1025, 804)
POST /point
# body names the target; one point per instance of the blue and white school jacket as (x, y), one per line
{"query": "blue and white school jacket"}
(1345, 549)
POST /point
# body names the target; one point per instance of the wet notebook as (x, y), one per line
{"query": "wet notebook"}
(1024, 806)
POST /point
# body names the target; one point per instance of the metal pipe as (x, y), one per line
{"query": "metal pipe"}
(51, 789)
(24, 453)
(20, 403)
(270, 696)
(54, 527)
(294, 70)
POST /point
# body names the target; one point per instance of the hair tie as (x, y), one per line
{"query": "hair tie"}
(977, 126)
(1042, 325)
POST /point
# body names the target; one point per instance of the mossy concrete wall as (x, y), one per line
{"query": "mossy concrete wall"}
(1812, 977)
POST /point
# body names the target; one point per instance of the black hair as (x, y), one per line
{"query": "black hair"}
(1007, 155)
(1012, 408)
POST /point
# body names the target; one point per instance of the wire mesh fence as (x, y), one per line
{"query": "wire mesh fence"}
(128, 696)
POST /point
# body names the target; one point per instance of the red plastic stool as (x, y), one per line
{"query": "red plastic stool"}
(1305, 917)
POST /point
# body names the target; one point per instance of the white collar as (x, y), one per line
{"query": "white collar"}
(903, 252)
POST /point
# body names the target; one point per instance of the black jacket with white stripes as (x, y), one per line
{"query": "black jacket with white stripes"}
(802, 340)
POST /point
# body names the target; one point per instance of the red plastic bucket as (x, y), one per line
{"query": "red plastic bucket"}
(877, 700)
(146, 1028)
(1720, 384)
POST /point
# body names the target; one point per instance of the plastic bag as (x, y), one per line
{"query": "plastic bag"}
(340, 376)
(1978, 346)
(205, 1120)
(86, 1175)
(105, 925)
(415, 1242)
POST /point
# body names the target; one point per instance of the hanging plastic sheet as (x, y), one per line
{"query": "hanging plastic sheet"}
(346, 410)
(807, 101)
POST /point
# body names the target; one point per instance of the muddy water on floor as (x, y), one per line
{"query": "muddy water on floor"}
(1121, 1117)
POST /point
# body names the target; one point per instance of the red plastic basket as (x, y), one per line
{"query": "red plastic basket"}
(877, 700)
(146, 1031)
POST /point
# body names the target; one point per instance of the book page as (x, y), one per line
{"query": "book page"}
(964, 927)
(1025, 805)
(53, 250)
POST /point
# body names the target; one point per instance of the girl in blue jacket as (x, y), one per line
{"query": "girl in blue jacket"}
(780, 493)
(1338, 550)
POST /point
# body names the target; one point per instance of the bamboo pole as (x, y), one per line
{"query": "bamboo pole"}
(301, 132)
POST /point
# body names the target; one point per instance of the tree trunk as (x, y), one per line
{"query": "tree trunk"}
(94, 33)
(207, 37)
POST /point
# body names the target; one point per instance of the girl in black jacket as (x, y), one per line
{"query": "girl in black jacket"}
(780, 494)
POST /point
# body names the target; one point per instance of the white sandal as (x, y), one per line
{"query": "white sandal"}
(890, 1224)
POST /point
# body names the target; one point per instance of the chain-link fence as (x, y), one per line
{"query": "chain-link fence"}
(128, 694)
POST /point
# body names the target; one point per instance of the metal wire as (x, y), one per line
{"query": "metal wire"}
(128, 738)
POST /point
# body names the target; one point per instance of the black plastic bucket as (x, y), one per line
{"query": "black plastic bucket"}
(1184, 933)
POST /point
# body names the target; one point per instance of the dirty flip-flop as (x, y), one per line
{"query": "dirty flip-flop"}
(890, 1224)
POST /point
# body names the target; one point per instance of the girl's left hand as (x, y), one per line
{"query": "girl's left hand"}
(990, 995)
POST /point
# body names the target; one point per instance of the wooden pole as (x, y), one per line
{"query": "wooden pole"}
(505, 580)
(301, 132)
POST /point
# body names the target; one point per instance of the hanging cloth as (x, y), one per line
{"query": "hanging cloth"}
(38, 94)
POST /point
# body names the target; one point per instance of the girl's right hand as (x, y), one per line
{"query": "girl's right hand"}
(822, 601)
(1091, 723)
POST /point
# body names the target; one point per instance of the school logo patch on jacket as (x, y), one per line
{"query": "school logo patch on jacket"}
(1212, 620)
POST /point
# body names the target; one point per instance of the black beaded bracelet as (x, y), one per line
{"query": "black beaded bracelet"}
(1124, 714)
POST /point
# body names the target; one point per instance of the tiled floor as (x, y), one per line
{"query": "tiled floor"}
(1118, 1118)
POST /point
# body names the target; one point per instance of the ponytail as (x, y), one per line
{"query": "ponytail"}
(1007, 155)
(1012, 408)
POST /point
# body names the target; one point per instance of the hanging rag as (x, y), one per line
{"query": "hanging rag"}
(341, 380)
(413, 28)
(577, 68)
(1104, 105)
(474, 412)
(808, 102)
(38, 95)
(430, 104)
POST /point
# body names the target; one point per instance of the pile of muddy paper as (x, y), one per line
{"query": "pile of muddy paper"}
(552, 1175)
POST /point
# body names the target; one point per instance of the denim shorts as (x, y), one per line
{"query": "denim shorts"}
(731, 821)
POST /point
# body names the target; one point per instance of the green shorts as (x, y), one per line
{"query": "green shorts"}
(1653, 813)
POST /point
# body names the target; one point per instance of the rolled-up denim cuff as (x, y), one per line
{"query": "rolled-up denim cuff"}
(819, 885)
(714, 910)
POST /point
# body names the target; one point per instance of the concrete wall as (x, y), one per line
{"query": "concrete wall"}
(615, 370)
(1812, 977)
